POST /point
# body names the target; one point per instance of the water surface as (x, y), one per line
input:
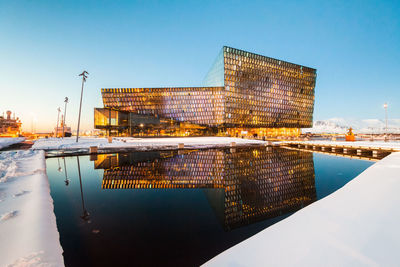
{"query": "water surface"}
(169, 208)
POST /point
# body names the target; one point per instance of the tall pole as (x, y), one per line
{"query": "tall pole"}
(84, 76)
(386, 117)
(58, 118)
(65, 114)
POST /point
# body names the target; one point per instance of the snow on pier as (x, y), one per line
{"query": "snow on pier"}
(8, 141)
(28, 229)
(68, 144)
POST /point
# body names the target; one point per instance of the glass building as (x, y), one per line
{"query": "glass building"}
(243, 94)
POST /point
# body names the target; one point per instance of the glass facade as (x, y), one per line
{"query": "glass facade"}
(199, 105)
(243, 93)
(266, 92)
(215, 76)
(247, 185)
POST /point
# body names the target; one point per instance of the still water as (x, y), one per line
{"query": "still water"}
(164, 208)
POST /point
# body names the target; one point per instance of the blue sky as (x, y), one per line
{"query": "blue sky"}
(44, 45)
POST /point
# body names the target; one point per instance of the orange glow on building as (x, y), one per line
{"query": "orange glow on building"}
(244, 94)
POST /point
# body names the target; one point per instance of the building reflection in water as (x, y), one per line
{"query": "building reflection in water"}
(243, 185)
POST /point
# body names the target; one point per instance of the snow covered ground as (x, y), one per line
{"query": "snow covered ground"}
(8, 141)
(139, 143)
(357, 144)
(365, 126)
(356, 225)
(28, 230)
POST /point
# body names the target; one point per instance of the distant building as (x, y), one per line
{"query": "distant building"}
(10, 126)
(244, 94)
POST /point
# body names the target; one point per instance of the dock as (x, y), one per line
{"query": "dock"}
(362, 150)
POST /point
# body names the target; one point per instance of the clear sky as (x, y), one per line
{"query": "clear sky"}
(44, 45)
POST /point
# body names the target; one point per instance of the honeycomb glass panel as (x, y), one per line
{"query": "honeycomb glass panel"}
(245, 94)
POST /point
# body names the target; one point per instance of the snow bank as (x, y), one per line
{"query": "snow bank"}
(28, 229)
(356, 225)
(8, 141)
(139, 143)
(357, 144)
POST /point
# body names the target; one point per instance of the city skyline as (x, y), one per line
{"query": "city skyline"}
(135, 44)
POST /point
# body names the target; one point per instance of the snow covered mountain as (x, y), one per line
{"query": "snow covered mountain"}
(340, 126)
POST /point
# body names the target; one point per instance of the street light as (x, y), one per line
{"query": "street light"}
(65, 114)
(84, 76)
(385, 106)
(58, 117)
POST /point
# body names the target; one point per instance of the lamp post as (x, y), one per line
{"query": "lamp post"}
(84, 76)
(65, 114)
(58, 117)
(385, 106)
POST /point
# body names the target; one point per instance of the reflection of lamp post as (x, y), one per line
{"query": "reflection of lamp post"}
(385, 106)
(59, 166)
(85, 213)
(66, 175)
(65, 115)
(58, 118)
(83, 74)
